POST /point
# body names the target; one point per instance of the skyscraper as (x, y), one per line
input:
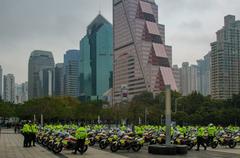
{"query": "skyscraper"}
(190, 78)
(225, 60)
(72, 73)
(177, 76)
(9, 88)
(185, 78)
(140, 57)
(96, 59)
(24, 96)
(59, 79)
(204, 74)
(194, 78)
(21, 93)
(1, 73)
(18, 93)
(41, 74)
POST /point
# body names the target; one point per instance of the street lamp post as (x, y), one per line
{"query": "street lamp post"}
(168, 114)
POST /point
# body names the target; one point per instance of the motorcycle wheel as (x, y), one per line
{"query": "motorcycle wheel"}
(57, 149)
(136, 147)
(44, 143)
(232, 144)
(102, 145)
(50, 146)
(214, 145)
(114, 148)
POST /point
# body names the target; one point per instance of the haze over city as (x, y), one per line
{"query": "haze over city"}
(58, 25)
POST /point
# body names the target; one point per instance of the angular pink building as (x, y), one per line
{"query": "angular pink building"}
(141, 58)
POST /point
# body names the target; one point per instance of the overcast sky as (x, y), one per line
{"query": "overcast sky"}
(58, 25)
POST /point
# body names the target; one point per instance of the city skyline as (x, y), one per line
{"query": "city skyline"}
(62, 25)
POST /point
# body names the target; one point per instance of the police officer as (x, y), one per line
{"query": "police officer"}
(33, 133)
(211, 133)
(81, 135)
(26, 133)
(200, 139)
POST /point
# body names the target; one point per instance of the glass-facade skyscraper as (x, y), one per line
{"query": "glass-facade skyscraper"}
(59, 79)
(41, 76)
(71, 73)
(141, 57)
(96, 59)
(225, 60)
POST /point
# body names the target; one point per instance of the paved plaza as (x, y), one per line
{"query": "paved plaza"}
(11, 146)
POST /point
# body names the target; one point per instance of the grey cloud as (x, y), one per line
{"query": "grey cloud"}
(194, 24)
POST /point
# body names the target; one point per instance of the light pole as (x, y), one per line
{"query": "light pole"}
(168, 114)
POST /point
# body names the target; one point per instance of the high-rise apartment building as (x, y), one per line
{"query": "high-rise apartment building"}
(96, 67)
(72, 73)
(1, 82)
(225, 60)
(59, 79)
(140, 56)
(9, 88)
(41, 74)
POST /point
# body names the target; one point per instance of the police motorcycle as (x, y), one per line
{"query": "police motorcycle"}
(39, 136)
(96, 137)
(68, 142)
(127, 142)
(224, 138)
(105, 142)
(46, 137)
(158, 139)
(179, 139)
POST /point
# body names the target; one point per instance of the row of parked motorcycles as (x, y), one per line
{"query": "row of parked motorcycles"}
(123, 141)
(57, 141)
(117, 142)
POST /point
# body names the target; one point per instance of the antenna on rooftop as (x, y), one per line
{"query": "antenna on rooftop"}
(99, 5)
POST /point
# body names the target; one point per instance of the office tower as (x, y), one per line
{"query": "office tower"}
(72, 73)
(225, 60)
(96, 59)
(18, 94)
(140, 56)
(1, 82)
(59, 79)
(40, 74)
(194, 79)
(9, 88)
(24, 87)
(204, 74)
(21, 93)
(177, 76)
(190, 78)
